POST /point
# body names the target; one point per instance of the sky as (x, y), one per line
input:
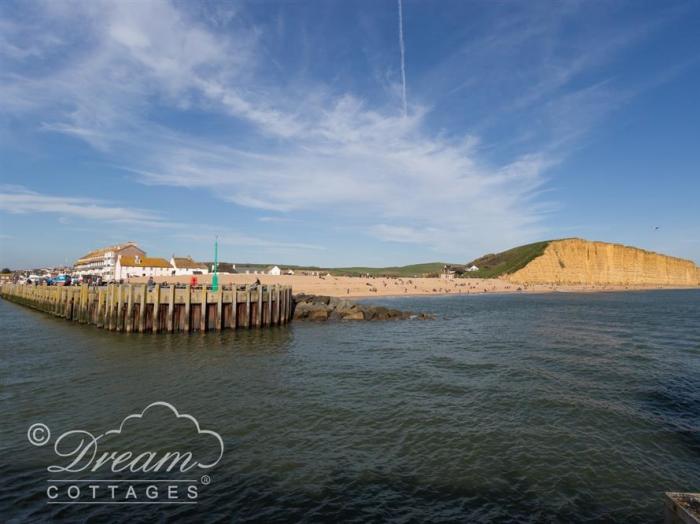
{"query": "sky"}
(338, 133)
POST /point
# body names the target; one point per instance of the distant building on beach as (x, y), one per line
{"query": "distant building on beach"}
(472, 268)
(273, 270)
(138, 266)
(227, 267)
(187, 266)
(103, 262)
(447, 273)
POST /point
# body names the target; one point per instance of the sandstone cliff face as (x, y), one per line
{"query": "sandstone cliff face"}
(577, 261)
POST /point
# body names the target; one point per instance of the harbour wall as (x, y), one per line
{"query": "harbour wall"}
(157, 309)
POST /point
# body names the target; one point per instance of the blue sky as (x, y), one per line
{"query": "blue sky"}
(280, 127)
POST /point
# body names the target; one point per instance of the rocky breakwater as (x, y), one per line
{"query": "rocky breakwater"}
(324, 308)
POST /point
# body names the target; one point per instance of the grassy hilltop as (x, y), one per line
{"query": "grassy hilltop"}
(506, 262)
(490, 266)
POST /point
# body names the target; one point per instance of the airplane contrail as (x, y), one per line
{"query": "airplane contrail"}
(403, 60)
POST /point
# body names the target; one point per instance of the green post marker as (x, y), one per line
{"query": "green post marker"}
(215, 277)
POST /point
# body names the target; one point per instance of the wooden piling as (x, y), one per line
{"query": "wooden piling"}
(203, 313)
(156, 308)
(84, 303)
(130, 310)
(120, 308)
(81, 305)
(234, 313)
(220, 308)
(268, 321)
(284, 307)
(142, 308)
(110, 308)
(188, 301)
(258, 317)
(288, 311)
(171, 308)
(98, 317)
(247, 307)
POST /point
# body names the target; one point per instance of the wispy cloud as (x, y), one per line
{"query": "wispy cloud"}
(318, 151)
(18, 200)
(236, 239)
(402, 49)
(306, 146)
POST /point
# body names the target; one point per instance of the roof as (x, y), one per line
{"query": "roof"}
(99, 253)
(130, 261)
(188, 263)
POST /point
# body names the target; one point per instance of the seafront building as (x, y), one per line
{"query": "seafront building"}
(187, 266)
(122, 261)
(103, 262)
(137, 266)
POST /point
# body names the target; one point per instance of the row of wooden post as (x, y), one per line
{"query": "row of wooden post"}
(125, 307)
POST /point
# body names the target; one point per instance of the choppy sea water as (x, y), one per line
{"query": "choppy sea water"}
(510, 408)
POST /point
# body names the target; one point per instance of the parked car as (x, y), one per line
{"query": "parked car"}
(60, 280)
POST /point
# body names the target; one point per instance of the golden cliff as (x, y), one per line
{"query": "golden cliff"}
(577, 261)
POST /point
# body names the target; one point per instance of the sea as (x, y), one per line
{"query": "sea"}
(557, 407)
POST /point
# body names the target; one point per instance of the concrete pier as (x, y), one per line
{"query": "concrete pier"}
(166, 309)
(682, 508)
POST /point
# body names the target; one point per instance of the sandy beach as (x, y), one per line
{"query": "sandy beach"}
(361, 287)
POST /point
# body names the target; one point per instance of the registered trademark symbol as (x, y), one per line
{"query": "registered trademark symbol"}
(38, 434)
(205, 480)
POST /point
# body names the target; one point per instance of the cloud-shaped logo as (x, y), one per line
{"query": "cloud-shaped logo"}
(178, 415)
(123, 448)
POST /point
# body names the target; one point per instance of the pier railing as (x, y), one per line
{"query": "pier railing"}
(152, 309)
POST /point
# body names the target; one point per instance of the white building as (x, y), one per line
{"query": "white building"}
(472, 268)
(187, 266)
(138, 266)
(274, 270)
(103, 261)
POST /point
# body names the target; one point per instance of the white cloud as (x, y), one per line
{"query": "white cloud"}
(236, 239)
(307, 146)
(18, 200)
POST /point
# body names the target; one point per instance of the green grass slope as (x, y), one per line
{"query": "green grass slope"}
(506, 262)
(414, 270)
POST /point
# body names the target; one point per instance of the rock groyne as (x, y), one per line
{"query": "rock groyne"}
(325, 308)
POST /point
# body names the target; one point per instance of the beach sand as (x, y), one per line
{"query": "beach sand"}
(361, 287)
